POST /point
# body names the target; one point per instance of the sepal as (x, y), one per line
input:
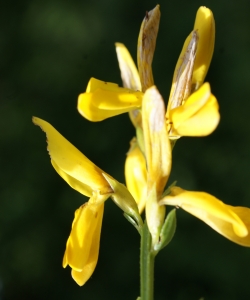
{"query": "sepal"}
(124, 199)
(155, 215)
(167, 231)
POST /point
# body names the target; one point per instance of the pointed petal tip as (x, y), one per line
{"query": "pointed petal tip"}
(78, 278)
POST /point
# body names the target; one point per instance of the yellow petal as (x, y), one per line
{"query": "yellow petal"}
(84, 275)
(198, 116)
(231, 222)
(82, 247)
(72, 162)
(96, 84)
(205, 26)
(136, 175)
(103, 100)
(129, 73)
(146, 46)
(74, 183)
(157, 145)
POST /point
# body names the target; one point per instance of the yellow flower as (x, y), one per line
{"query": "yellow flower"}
(231, 222)
(81, 174)
(189, 100)
(192, 109)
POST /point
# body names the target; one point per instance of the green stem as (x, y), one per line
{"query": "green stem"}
(147, 265)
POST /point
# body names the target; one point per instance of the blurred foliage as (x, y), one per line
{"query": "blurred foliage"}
(49, 50)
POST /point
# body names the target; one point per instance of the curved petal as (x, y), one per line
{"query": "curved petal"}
(205, 25)
(231, 222)
(104, 100)
(71, 161)
(129, 73)
(82, 247)
(74, 183)
(136, 175)
(198, 116)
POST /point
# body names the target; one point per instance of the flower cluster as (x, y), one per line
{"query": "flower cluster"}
(192, 110)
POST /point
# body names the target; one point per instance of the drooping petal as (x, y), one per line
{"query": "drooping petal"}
(136, 175)
(157, 145)
(71, 161)
(146, 46)
(82, 247)
(129, 73)
(198, 116)
(231, 222)
(205, 26)
(103, 100)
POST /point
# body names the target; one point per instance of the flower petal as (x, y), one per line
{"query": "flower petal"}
(129, 73)
(71, 161)
(157, 145)
(146, 46)
(198, 116)
(74, 183)
(103, 100)
(231, 222)
(136, 175)
(82, 247)
(205, 25)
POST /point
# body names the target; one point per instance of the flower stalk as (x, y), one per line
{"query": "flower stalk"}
(147, 259)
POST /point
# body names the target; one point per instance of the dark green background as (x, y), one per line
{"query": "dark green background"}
(48, 51)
